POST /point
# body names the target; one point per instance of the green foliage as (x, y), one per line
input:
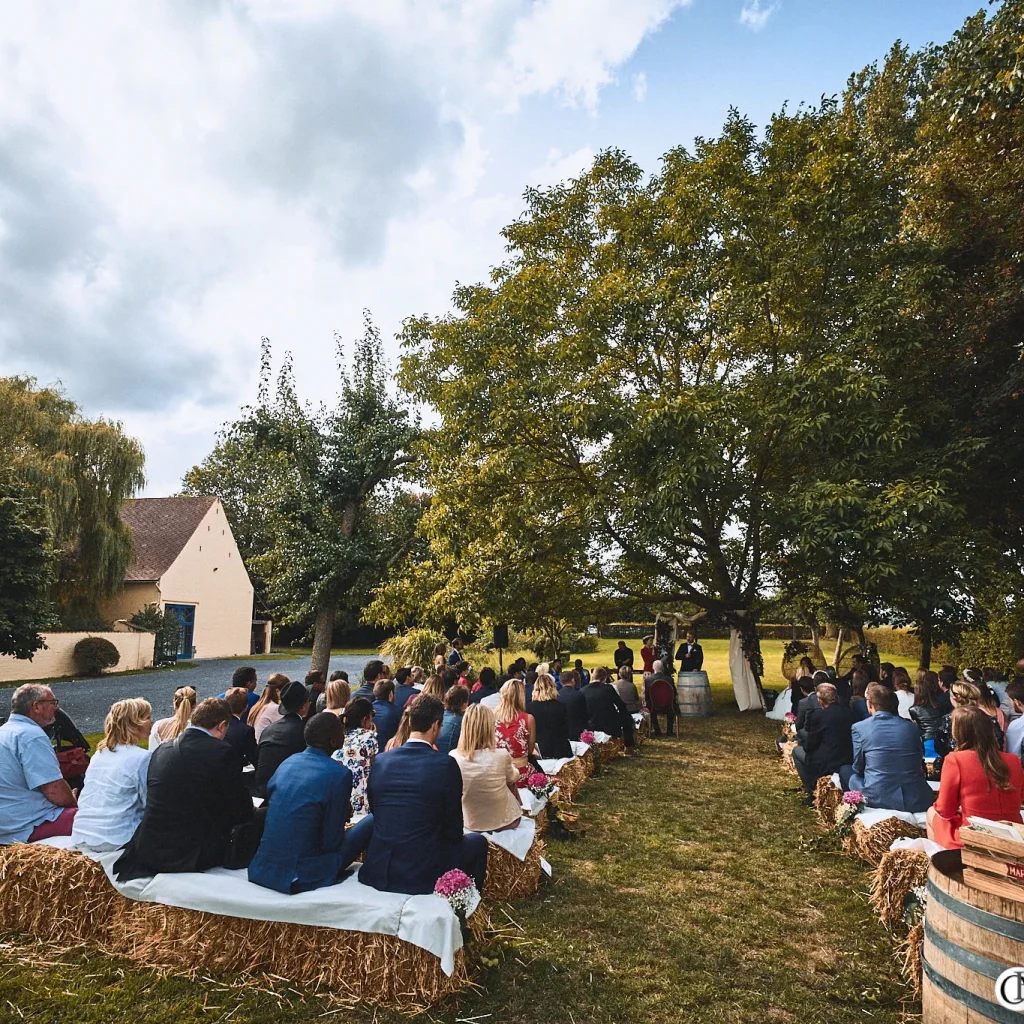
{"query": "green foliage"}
(26, 573)
(80, 471)
(413, 647)
(94, 654)
(167, 629)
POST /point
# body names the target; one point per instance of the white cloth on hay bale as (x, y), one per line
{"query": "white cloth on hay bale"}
(744, 685)
(873, 815)
(579, 748)
(531, 803)
(516, 841)
(922, 844)
(782, 706)
(424, 921)
(553, 765)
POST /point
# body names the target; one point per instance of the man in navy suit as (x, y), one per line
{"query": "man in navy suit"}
(415, 795)
(403, 693)
(575, 703)
(386, 715)
(887, 757)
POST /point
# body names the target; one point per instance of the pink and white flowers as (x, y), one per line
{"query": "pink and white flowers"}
(586, 736)
(458, 889)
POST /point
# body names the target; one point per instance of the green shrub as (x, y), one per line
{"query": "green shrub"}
(167, 629)
(413, 647)
(583, 643)
(94, 654)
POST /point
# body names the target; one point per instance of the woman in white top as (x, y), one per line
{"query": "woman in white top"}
(904, 691)
(267, 709)
(490, 801)
(168, 729)
(113, 798)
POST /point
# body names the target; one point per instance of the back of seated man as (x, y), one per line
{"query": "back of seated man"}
(947, 677)
(386, 715)
(240, 737)
(415, 797)
(244, 677)
(374, 670)
(35, 801)
(487, 687)
(195, 797)
(888, 757)
(305, 845)
(284, 737)
(809, 701)
(404, 691)
(825, 744)
(575, 703)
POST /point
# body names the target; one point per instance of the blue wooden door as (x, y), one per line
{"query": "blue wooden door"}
(186, 616)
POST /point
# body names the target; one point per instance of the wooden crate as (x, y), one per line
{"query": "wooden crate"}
(993, 864)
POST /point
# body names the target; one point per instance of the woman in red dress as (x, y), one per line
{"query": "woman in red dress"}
(515, 730)
(647, 652)
(978, 780)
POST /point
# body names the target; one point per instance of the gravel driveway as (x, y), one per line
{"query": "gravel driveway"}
(88, 701)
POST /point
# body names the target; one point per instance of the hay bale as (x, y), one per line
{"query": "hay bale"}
(508, 877)
(910, 962)
(540, 820)
(786, 749)
(871, 844)
(897, 873)
(63, 896)
(572, 775)
(827, 798)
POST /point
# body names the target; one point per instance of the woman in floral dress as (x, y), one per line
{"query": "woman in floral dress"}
(359, 750)
(515, 730)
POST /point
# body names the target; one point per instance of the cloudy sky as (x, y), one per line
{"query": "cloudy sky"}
(180, 177)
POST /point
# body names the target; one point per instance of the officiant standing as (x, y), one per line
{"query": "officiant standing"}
(690, 654)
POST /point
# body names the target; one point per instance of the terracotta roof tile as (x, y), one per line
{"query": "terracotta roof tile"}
(161, 527)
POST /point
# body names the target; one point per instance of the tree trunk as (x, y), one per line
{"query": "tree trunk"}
(860, 638)
(839, 648)
(815, 636)
(323, 631)
(925, 632)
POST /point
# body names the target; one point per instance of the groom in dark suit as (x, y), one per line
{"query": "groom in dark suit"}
(195, 798)
(690, 654)
(415, 795)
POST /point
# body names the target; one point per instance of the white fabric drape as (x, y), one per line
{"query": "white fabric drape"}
(748, 697)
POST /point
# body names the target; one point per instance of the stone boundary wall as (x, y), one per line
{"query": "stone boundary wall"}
(57, 659)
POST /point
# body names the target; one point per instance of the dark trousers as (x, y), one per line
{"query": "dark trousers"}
(670, 718)
(357, 839)
(469, 855)
(808, 773)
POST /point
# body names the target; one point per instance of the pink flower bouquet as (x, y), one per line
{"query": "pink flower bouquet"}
(790, 717)
(853, 797)
(586, 736)
(540, 784)
(458, 889)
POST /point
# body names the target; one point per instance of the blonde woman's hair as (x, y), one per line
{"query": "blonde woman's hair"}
(184, 705)
(965, 694)
(123, 722)
(415, 675)
(477, 731)
(271, 695)
(511, 701)
(434, 687)
(403, 730)
(338, 694)
(543, 669)
(544, 688)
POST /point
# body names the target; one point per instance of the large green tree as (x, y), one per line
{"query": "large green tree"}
(80, 471)
(323, 526)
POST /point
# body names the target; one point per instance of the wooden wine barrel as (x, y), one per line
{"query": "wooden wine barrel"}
(693, 690)
(970, 938)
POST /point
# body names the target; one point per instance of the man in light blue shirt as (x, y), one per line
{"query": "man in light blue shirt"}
(1015, 730)
(35, 801)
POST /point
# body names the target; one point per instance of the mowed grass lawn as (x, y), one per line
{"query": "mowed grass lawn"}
(701, 891)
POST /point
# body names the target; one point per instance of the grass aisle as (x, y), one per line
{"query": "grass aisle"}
(702, 891)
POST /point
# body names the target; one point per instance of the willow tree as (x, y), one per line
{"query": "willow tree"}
(80, 471)
(638, 369)
(330, 513)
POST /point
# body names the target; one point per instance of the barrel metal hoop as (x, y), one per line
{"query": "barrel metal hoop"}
(961, 995)
(975, 915)
(977, 963)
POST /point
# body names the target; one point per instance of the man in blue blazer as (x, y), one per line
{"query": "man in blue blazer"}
(415, 795)
(403, 693)
(887, 757)
(305, 845)
(386, 715)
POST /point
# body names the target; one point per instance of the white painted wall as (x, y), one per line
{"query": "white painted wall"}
(136, 650)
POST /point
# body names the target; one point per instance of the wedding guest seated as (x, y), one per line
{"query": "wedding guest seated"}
(582, 674)
(455, 703)
(245, 678)
(386, 714)
(978, 780)
(267, 710)
(336, 697)
(358, 749)
(71, 746)
(605, 710)
(988, 701)
(515, 728)
(35, 800)
(284, 737)
(858, 705)
(486, 686)
(375, 669)
(167, 729)
(904, 690)
(305, 845)
(1015, 730)
(403, 728)
(947, 677)
(490, 801)
(825, 743)
(404, 690)
(661, 698)
(576, 717)
(962, 695)
(434, 686)
(195, 797)
(626, 689)
(809, 699)
(110, 807)
(415, 794)
(336, 676)
(240, 737)
(926, 711)
(551, 720)
(887, 757)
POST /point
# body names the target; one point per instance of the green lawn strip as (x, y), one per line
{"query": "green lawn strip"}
(700, 891)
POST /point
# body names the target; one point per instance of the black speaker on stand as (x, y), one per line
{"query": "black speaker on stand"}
(501, 642)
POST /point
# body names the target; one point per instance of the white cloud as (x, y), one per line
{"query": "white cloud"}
(755, 14)
(640, 87)
(178, 179)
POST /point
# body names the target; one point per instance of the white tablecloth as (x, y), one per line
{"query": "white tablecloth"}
(516, 840)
